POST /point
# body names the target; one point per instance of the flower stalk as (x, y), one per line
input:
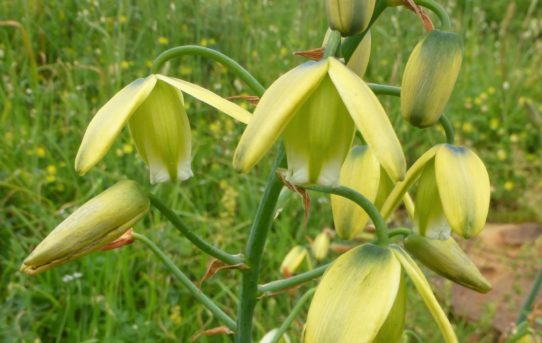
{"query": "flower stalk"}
(182, 278)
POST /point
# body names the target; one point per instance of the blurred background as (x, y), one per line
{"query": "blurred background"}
(60, 61)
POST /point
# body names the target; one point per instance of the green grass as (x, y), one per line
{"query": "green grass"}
(62, 61)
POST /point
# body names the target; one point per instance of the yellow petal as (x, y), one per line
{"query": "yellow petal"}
(429, 215)
(318, 138)
(349, 16)
(464, 189)
(292, 261)
(108, 122)
(424, 289)
(233, 110)
(429, 77)
(359, 60)
(401, 187)
(361, 172)
(275, 110)
(393, 327)
(354, 297)
(98, 222)
(161, 131)
(370, 118)
(446, 258)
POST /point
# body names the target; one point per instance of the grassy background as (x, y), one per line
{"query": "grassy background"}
(61, 60)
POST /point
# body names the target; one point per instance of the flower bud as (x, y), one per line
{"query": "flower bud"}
(100, 221)
(349, 16)
(429, 77)
(361, 172)
(446, 258)
(453, 194)
(320, 246)
(293, 260)
(358, 296)
(359, 60)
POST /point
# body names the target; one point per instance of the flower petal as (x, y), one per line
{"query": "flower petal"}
(108, 122)
(423, 287)
(464, 189)
(318, 138)
(429, 215)
(370, 118)
(161, 131)
(361, 172)
(276, 108)
(354, 297)
(210, 98)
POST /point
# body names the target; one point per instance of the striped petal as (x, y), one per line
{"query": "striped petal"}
(361, 172)
(210, 98)
(424, 289)
(370, 118)
(108, 122)
(464, 189)
(161, 131)
(429, 215)
(318, 138)
(275, 110)
(354, 297)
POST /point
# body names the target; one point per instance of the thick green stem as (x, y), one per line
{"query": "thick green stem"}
(385, 89)
(363, 202)
(333, 44)
(182, 278)
(439, 11)
(400, 231)
(396, 91)
(217, 56)
(350, 44)
(527, 306)
(195, 239)
(279, 285)
(254, 251)
(295, 311)
(448, 129)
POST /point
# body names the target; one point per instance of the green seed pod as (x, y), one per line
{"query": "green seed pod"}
(100, 221)
(429, 77)
(357, 298)
(349, 16)
(446, 258)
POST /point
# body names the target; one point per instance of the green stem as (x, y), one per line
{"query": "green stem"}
(182, 278)
(396, 91)
(363, 202)
(400, 231)
(350, 44)
(295, 311)
(439, 11)
(279, 285)
(217, 56)
(448, 129)
(385, 89)
(254, 251)
(333, 44)
(527, 306)
(195, 239)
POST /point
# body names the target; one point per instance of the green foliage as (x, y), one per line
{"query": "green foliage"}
(60, 62)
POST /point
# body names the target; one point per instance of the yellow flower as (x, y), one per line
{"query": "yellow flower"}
(429, 77)
(316, 108)
(154, 109)
(163, 40)
(100, 221)
(292, 261)
(446, 258)
(453, 193)
(349, 16)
